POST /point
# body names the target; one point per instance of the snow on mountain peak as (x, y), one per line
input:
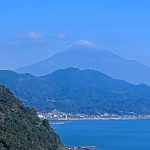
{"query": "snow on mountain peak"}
(83, 43)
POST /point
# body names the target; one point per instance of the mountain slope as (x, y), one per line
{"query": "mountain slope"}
(84, 55)
(21, 129)
(84, 91)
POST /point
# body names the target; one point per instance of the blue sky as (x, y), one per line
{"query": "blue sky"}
(32, 30)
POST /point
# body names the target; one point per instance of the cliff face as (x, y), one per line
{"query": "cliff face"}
(21, 129)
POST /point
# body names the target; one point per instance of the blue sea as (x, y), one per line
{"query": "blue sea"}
(106, 134)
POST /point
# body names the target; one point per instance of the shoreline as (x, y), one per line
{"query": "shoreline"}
(62, 116)
(80, 147)
(102, 119)
(62, 121)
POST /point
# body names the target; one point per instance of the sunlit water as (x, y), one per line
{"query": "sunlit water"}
(106, 135)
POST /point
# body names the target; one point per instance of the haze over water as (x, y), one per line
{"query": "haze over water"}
(107, 135)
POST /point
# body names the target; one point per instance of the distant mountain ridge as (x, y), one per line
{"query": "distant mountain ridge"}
(84, 55)
(78, 91)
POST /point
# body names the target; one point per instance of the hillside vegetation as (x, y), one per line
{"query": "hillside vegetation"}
(20, 127)
(78, 91)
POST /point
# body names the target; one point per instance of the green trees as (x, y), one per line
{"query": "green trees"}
(21, 129)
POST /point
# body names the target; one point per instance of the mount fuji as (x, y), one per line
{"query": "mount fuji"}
(85, 55)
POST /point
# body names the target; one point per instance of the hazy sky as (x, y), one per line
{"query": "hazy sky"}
(31, 30)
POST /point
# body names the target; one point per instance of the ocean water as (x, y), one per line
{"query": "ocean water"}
(106, 134)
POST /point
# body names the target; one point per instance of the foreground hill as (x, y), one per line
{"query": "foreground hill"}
(84, 55)
(21, 129)
(78, 91)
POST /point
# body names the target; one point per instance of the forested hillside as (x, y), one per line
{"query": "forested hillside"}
(20, 127)
(78, 91)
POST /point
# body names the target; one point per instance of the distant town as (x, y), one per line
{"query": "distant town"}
(58, 115)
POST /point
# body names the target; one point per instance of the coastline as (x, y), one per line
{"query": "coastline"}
(101, 119)
(62, 121)
(80, 148)
(62, 116)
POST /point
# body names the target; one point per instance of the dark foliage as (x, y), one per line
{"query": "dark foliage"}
(21, 129)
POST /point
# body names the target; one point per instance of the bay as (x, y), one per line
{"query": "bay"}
(106, 134)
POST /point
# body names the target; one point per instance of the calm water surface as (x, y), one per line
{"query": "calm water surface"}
(107, 135)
